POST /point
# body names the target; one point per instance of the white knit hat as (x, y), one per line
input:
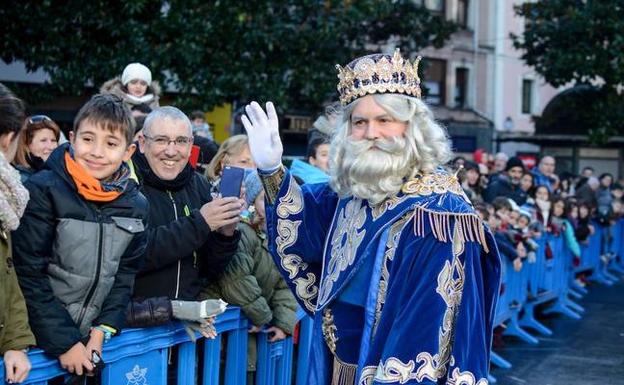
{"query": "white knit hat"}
(136, 71)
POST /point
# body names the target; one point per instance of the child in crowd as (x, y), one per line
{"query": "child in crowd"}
(15, 334)
(252, 281)
(584, 228)
(200, 127)
(82, 236)
(559, 217)
(502, 209)
(499, 223)
(135, 86)
(521, 233)
(317, 168)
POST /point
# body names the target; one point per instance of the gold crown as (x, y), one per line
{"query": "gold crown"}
(378, 74)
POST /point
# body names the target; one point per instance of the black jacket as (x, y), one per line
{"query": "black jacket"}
(502, 187)
(75, 259)
(182, 250)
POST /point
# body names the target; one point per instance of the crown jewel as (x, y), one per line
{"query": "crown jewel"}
(378, 74)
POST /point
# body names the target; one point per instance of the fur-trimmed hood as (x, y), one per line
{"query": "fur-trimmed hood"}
(115, 86)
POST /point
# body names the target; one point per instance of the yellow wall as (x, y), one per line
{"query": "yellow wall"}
(219, 121)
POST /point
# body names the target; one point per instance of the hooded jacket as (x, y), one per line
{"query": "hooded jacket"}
(75, 259)
(182, 249)
(115, 86)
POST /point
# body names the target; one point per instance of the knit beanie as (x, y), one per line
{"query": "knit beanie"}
(514, 161)
(136, 71)
(253, 187)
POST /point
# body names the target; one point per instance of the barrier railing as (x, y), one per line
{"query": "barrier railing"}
(551, 279)
(141, 356)
(144, 356)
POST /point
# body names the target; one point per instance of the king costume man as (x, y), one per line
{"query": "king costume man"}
(389, 258)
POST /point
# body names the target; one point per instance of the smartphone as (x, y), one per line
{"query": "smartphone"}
(231, 181)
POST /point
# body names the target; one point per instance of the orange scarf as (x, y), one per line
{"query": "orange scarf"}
(89, 187)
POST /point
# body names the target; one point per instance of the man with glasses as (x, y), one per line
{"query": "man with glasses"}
(191, 236)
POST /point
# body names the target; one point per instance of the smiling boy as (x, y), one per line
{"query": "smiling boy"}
(80, 241)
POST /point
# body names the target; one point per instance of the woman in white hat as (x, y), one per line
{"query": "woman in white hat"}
(135, 86)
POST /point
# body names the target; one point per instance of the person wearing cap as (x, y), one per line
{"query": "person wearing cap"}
(508, 183)
(390, 259)
(135, 86)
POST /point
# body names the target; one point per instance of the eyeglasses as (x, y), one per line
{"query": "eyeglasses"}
(163, 141)
(38, 119)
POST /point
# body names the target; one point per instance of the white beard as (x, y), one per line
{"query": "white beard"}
(373, 169)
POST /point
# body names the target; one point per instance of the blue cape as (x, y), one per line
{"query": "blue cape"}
(402, 292)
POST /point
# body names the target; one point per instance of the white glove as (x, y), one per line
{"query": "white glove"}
(264, 141)
(197, 310)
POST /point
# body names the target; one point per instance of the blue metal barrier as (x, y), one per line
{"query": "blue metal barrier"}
(140, 356)
(552, 280)
(617, 247)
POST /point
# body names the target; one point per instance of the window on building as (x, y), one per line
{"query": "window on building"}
(527, 96)
(434, 81)
(461, 87)
(462, 13)
(436, 6)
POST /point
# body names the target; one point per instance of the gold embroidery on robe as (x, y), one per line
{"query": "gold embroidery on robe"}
(434, 183)
(391, 245)
(346, 239)
(287, 234)
(433, 367)
(292, 202)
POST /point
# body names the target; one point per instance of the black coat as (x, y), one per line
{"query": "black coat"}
(502, 187)
(57, 230)
(182, 250)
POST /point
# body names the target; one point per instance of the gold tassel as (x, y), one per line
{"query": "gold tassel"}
(469, 226)
(343, 373)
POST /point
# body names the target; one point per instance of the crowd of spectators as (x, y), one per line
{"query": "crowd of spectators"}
(521, 204)
(125, 225)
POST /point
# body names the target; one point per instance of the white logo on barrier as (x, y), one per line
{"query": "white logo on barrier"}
(136, 376)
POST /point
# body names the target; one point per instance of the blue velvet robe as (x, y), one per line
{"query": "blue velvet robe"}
(404, 292)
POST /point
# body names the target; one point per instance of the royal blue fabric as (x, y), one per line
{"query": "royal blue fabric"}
(412, 319)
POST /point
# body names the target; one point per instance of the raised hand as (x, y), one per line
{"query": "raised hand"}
(263, 132)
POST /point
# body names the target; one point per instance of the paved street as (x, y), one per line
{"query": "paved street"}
(585, 352)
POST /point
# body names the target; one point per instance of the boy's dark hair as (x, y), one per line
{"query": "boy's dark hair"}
(197, 114)
(314, 145)
(12, 111)
(107, 111)
(500, 203)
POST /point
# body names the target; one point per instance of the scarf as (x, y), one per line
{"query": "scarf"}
(145, 99)
(92, 189)
(148, 177)
(13, 196)
(36, 163)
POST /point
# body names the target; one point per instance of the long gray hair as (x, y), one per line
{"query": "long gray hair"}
(377, 175)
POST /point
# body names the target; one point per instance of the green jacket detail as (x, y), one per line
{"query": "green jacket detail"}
(252, 282)
(15, 333)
